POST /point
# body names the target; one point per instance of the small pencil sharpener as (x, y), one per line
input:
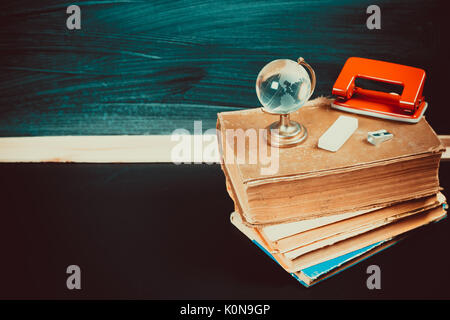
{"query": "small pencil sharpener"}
(377, 137)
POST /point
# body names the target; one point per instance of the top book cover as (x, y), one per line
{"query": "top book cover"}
(410, 140)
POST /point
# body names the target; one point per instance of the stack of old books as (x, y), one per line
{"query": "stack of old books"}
(316, 212)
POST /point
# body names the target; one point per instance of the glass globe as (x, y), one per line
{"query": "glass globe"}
(283, 86)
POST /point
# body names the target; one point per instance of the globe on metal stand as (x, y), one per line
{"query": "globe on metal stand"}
(282, 87)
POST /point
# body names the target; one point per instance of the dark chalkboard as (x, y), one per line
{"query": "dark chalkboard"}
(138, 232)
(148, 67)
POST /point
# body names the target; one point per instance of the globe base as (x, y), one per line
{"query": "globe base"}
(286, 133)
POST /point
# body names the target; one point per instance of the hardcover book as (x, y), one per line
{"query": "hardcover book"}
(310, 182)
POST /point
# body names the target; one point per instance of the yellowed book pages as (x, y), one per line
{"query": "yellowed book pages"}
(329, 234)
(300, 275)
(312, 182)
(384, 233)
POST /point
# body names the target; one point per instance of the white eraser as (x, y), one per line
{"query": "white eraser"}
(338, 133)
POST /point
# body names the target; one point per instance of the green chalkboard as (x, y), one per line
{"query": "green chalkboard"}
(148, 67)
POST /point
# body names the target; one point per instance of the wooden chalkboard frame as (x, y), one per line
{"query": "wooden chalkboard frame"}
(108, 149)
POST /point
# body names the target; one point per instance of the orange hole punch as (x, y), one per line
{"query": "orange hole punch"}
(409, 106)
